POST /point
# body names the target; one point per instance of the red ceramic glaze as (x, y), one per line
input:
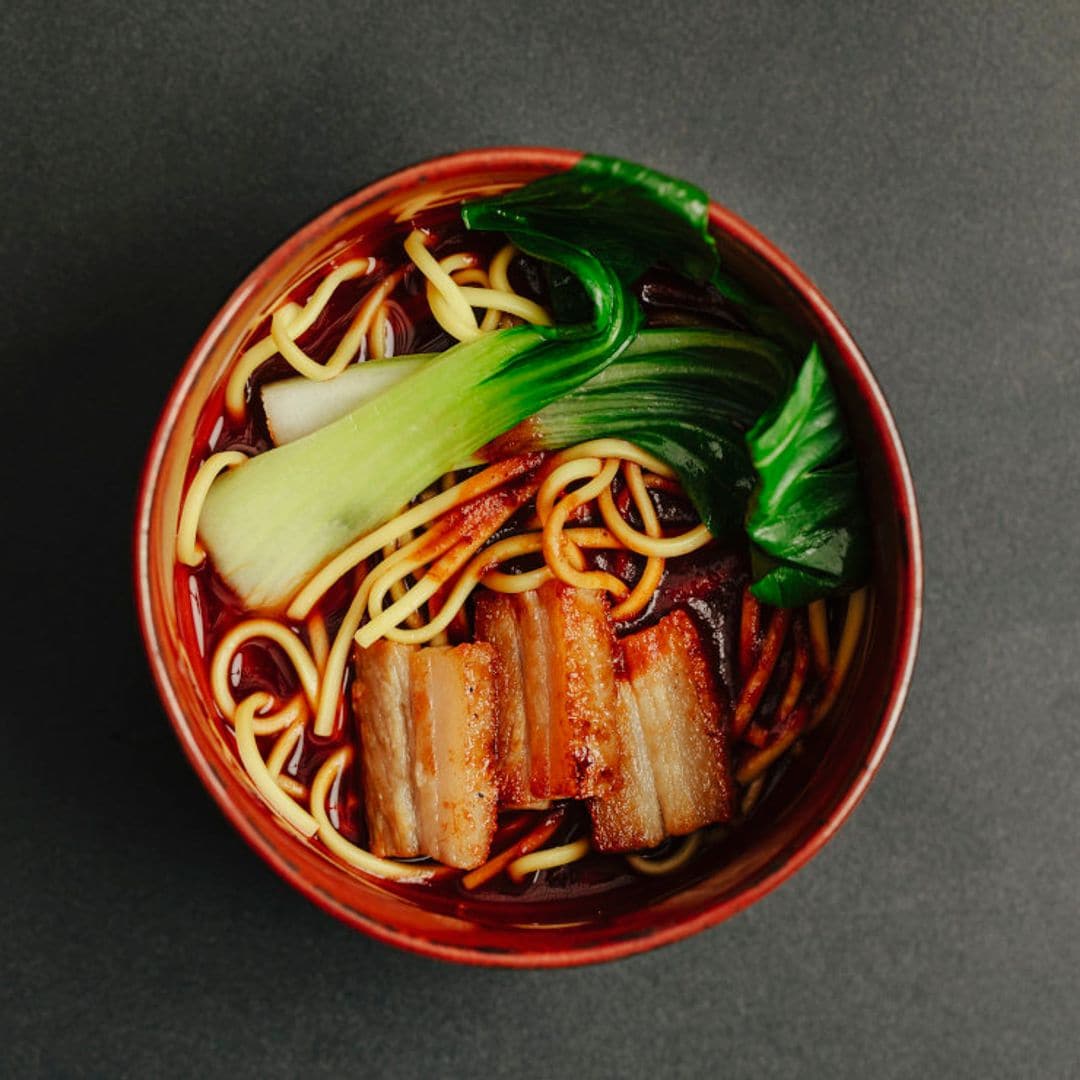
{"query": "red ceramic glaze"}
(815, 794)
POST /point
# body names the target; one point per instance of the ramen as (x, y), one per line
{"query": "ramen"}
(522, 544)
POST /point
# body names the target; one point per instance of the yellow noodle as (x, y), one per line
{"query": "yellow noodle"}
(753, 793)
(448, 318)
(454, 310)
(499, 582)
(439, 278)
(639, 492)
(498, 273)
(348, 852)
(367, 545)
(395, 614)
(560, 478)
(408, 559)
(384, 582)
(398, 587)
(384, 576)
(382, 579)
(845, 653)
(336, 661)
(479, 277)
(510, 303)
(326, 289)
(492, 320)
(653, 573)
(476, 276)
(461, 266)
(271, 723)
(292, 787)
(471, 275)
(278, 801)
(757, 763)
(554, 540)
(188, 549)
(547, 859)
(458, 263)
(246, 366)
(499, 267)
(317, 636)
(349, 345)
(247, 631)
(614, 448)
(284, 746)
(376, 333)
(262, 350)
(667, 547)
(676, 861)
(479, 570)
(510, 548)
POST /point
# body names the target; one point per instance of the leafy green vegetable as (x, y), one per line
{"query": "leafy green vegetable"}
(807, 520)
(686, 396)
(269, 525)
(700, 377)
(609, 208)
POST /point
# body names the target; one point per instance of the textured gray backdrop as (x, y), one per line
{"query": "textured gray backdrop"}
(920, 161)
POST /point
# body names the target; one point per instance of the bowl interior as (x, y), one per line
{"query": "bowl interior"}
(813, 795)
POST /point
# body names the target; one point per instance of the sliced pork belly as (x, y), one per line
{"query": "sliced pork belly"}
(681, 724)
(585, 744)
(427, 750)
(539, 682)
(454, 703)
(558, 723)
(629, 819)
(497, 623)
(382, 704)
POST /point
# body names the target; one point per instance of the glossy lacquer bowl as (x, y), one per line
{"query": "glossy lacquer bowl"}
(813, 797)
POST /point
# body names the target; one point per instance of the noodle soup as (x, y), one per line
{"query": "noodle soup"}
(561, 526)
(521, 552)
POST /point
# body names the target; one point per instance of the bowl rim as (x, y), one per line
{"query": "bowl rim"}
(911, 588)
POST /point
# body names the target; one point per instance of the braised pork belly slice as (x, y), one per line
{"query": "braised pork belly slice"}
(427, 750)
(558, 709)
(673, 709)
(629, 818)
(497, 623)
(382, 705)
(682, 722)
(454, 705)
(585, 743)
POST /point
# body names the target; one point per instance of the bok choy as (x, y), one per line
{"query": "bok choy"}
(270, 524)
(685, 395)
(755, 447)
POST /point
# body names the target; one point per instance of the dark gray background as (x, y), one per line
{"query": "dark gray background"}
(920, 164)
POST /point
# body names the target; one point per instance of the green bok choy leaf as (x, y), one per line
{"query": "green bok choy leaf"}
(807, 521)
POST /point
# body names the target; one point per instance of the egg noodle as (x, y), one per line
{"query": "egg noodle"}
(426, 567)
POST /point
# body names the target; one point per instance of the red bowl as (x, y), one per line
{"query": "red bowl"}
(815, 794)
